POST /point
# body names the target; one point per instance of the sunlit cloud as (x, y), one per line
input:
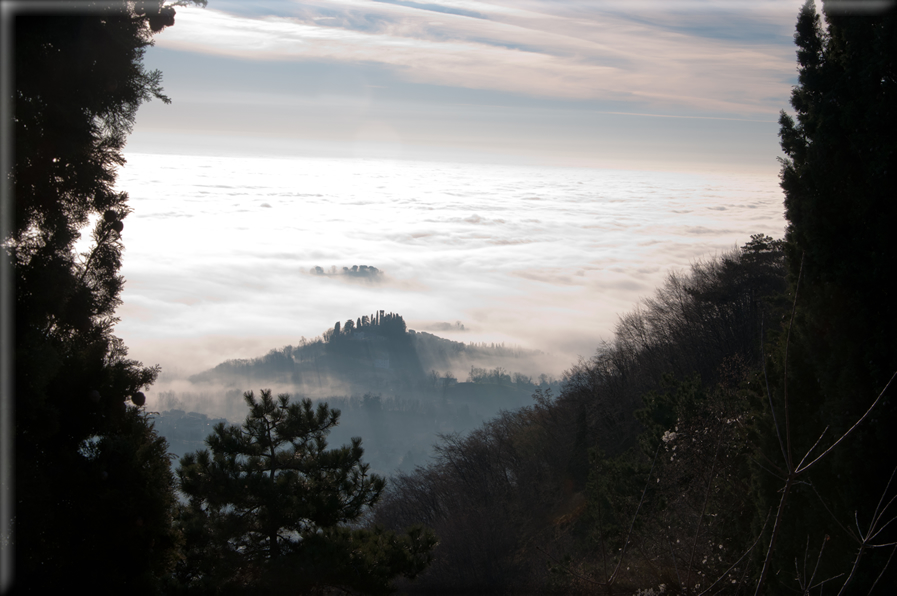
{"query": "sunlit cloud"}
(552, 276)
(543, 257)
(660, 60)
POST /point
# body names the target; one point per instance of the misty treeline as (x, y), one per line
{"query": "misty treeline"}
(380, 323)
(377, 354)
(365, 272)
(500, 376)
(372, 352)
(372, 368)
(376, 381)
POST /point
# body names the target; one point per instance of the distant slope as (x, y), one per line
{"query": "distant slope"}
(375, 353)
(397, 389)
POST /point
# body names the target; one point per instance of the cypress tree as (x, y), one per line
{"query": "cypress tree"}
(838, 177)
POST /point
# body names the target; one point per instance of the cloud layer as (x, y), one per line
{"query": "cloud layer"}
(667, 57)
(219, 249)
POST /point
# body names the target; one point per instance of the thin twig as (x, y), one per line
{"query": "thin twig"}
(675, 566)
(856, 563)
(851, 429)
(856, 520)
(880, 530)
(810, 450)
(826, 580)
(774, 472)
(878, 507)
(775, 533)
(800, 578)
(847, 530)
(883, 569)
(793, 475)
(819, 558)
(872, 531)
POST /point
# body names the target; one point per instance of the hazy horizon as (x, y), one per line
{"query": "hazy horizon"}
(220, 251)
(528, 169)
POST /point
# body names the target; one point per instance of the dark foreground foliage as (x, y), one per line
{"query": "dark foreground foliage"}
(269, 510)
(841, 347)
(733, 438)
(93, 486)
(635, 475)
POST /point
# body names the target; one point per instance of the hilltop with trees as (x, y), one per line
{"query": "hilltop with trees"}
(371, 353)
(383, 376)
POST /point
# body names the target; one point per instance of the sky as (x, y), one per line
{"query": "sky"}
(610, 84)
(581, 95)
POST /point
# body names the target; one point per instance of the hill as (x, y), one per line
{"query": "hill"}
(374, 353)
(397, 388)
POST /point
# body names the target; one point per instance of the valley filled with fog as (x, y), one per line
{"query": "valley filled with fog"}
(224, 255)
(505, 277)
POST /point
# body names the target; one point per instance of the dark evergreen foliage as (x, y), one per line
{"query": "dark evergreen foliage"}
(269, 507)
(837, 356)
(92, 481)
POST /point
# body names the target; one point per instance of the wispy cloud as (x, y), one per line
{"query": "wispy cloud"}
(662, 56)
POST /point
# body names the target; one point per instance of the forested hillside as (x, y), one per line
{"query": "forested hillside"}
(638, 467)
(735, 436)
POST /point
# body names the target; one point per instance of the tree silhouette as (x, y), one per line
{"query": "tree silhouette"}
(840, 350)
(268, 504)
(94, 490)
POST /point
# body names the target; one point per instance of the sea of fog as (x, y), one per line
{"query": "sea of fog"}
(220, 250)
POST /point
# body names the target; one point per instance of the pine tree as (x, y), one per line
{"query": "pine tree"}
(269, 506)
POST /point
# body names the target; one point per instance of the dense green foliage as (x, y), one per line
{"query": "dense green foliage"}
(268, 508)
(93, 486)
